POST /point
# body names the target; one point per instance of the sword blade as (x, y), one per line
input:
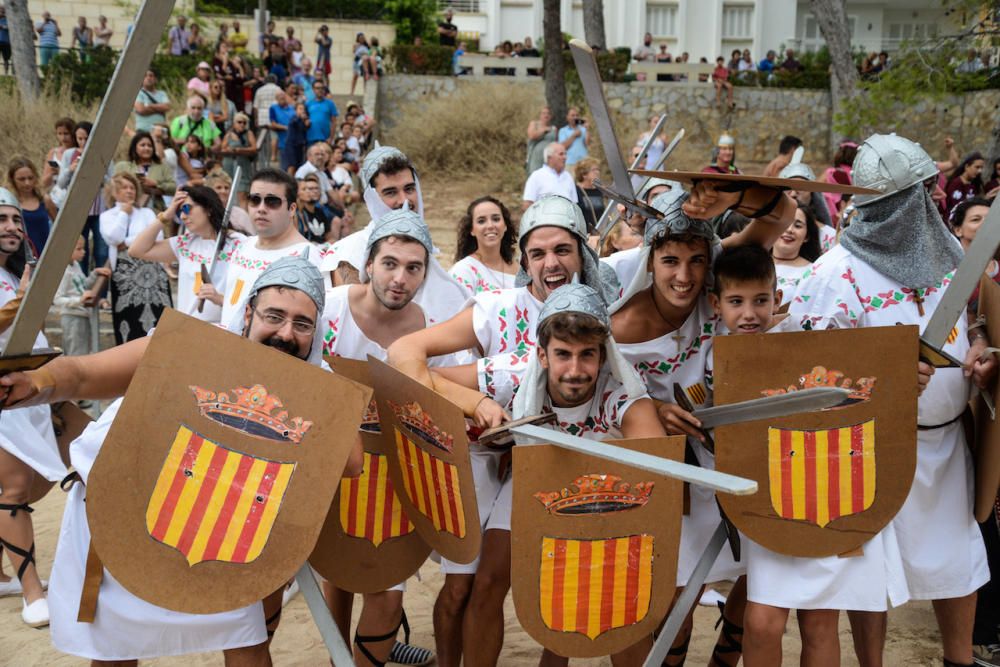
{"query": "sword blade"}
(807, 400)
(717, 481)
(220, 240)
(590, 77)
(649, 141)
(956, 297)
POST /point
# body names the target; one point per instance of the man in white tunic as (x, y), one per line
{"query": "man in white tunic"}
(892, 266)
(282, 312)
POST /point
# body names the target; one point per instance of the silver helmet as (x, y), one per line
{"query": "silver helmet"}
(553, 211)
(655, 183)
(575, 298)
(890, 164)
(374, 160)
(798, 170)
(295, 273)
(7, 198)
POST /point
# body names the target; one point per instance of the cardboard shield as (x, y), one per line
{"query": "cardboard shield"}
(68, 422)
(206, 494)
(594, 546)
(829, 480)
(429, 462)
(368, 543)
(987, 429)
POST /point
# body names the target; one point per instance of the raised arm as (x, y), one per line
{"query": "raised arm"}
(410, 353)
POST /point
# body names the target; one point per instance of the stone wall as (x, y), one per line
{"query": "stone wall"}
(761, 118)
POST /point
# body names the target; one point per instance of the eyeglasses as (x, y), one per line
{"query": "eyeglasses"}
(273, 202)
(300, 327)
(186, 209)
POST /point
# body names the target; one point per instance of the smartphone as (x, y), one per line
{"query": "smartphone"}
(53, 164)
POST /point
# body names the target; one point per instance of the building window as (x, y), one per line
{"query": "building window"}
(737, 22)
(812, 37)
(898, 33)
(661, 19)
(459, 6)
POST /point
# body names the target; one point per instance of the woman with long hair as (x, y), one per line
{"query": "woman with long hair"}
(591, 200)
(202, 213)
(155, 178)
(992, 187)
(140, 290)
(219, 107)
(840, 172)
(192, 162)
(94, 246)
(66, 136)
(484, 254)
(621, 237)
(965, 181)
(37, 209)
(795, 250)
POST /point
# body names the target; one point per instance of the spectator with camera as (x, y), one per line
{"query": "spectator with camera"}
(574, 137)
(48, 38)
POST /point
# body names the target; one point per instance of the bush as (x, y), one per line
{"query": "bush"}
(427, 59)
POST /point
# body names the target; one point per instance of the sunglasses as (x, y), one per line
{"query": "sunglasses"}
(273, 202)
(185, 209)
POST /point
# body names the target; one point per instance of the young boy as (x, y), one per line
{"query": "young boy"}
(745, 296)
(76, 300)
(720, 77)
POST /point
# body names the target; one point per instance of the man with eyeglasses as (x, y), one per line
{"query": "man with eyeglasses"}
(361, 320)
(282, 311)
(272, 207)
(316, 158)
(194, 122)
(322, 114)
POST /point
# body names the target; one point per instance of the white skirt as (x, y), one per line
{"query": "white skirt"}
(125, 626)
(27, 434)
(939, 540)
(861, 583)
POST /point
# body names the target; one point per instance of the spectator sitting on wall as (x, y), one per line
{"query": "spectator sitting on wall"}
(745, 66)
(664, 57)
(734, 61)
(551, 178)
(703, 78)
(766, 66)
(720, 78)
(791, 64)
(785, 150)
(447, 31)
(456, 68)
(529, 51)
(574, 137)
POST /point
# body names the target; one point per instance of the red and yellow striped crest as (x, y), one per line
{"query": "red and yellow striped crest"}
(819, 476)
(432, 486)
(697, 393)
(593, 586)
(369, 506)
(211, 503)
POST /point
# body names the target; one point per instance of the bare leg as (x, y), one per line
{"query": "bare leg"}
(764, 627)
(550, 659)
(341, 604)
(678, 650)
(634, 655)
(482, 626)
(272, 615)
(249, 656)
(114, 663)
(448, 610)
(381, 614)
(729, 645)
(868, 629)
(820, 643)
(955, 617)
(15, 523)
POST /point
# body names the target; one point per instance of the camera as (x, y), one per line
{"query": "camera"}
(581, 121)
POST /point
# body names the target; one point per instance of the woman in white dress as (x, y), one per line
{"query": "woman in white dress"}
(202, 213)
(484, 256)
(795, 250)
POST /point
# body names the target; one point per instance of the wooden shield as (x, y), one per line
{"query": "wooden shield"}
(829, 480)
(594, 546)
(68, 422)
(213, 483)
(429, 462)
(987, 429)
(368, 543)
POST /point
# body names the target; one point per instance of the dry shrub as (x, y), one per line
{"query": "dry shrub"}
(479, 130)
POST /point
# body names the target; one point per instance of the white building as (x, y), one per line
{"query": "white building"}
(705, 28)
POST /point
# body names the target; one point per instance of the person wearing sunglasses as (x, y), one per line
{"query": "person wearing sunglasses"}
(201, 212)
(239, 147)
(272, 208)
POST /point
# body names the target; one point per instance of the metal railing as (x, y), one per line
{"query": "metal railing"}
(459, 6)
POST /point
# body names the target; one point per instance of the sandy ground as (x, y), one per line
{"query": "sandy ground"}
(913, 638)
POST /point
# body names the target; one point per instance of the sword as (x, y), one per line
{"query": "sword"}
(807, 400)
(955, 299)
(220, 241)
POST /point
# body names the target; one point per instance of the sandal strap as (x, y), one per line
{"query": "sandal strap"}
(678, 652)
(732, 635)
(271, 624)
(360, 641)
(28, 556)
(67, 482)
(15, 508)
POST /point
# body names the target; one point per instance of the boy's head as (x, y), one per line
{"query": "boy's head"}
(744, 294)
(720, 61)
(78, 251)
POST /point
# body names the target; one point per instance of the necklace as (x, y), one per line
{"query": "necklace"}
(500, 279)
(678, 336)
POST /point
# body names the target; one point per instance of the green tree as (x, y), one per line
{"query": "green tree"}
(411, 18)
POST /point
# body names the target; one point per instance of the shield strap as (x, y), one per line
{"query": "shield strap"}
(92, 577)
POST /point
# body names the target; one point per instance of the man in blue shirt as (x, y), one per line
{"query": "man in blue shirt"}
(766, 66)
(574, 137)
(281, 114)
(322, 114)
(48, 38)
(4, 40)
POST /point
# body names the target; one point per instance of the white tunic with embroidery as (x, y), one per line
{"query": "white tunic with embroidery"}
(192, 252)
(827, 237)
(476, 277)
(939, 541)
(26, 433)
(245, 266)
(788, 279)
(681, 357)
(126, 627)
(504, 323)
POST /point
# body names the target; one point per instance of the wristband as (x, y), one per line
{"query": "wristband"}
(769, 207)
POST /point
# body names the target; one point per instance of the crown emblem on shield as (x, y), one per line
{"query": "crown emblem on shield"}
(412, 416)
(596, 494)
(861, 389)
(253, 411)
